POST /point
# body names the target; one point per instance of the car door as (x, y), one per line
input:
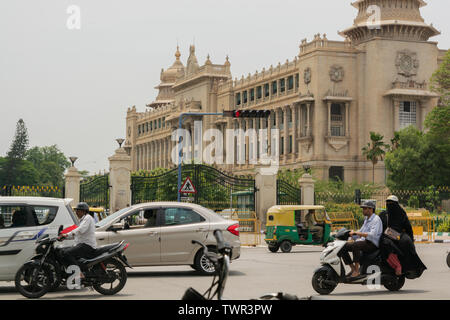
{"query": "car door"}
(143, 235)
(179, 226)
(18, 232)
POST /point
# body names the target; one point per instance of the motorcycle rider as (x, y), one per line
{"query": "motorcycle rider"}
(85, 241)
(364, 240)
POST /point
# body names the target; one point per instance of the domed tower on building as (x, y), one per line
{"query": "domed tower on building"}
(394, 63)
(168, 78)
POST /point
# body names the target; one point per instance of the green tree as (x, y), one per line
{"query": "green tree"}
(15, 155)
(50, 162)
(375, 150)
(419, 161)
(440, 81)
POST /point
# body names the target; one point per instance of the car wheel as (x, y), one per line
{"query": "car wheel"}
(286, 246)
(202, 264)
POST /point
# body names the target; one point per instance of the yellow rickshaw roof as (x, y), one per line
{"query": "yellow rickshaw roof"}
(280, 209)
(92, 209)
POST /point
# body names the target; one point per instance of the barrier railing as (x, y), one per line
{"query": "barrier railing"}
(249, 227)
(343, 220)
(422, 222)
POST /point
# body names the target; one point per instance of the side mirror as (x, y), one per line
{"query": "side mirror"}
(116, 226)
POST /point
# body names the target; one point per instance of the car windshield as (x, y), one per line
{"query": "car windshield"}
(111, 217)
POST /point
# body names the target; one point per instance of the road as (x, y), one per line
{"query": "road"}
(257, 272)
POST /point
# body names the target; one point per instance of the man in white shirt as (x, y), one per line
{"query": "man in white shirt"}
(84, 234)
(366, 240)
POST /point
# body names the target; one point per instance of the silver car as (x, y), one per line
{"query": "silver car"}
(161, 233)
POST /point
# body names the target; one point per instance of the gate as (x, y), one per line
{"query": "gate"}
(95, 191)
(215, 190)
(31, 191)
(288, 194)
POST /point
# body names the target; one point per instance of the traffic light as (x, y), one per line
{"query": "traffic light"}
(247, 113)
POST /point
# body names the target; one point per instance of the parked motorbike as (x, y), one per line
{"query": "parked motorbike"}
(332, 271)
(105, 272)
(221, 262)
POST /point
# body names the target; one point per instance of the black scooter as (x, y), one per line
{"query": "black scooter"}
(105, 272)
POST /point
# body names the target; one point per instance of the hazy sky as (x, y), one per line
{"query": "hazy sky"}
(73, 87)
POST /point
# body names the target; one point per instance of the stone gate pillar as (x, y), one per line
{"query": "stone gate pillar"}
(120, 180)
(72, 185)
(266, 196)
(307, 186)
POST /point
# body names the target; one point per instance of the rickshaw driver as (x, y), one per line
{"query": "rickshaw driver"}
(312, 225)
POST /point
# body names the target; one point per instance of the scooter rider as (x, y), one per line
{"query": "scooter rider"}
(365, 240)
(84, 234)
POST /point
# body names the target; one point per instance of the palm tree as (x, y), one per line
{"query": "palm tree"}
(374, 151)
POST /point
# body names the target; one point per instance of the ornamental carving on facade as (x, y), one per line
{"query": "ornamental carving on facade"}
(407, 63)
(307, 76)
(336, 73)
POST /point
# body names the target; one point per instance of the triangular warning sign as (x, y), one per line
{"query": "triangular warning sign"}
(188, 186)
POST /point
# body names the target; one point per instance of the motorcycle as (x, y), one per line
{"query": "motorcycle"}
(105, 272)
(221, 262)
(332, 272)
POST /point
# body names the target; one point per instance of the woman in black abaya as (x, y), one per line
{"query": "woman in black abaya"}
(396, 218)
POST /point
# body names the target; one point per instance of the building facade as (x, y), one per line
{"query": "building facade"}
(325, 102)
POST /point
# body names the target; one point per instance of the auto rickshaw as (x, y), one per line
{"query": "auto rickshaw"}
(289, 225)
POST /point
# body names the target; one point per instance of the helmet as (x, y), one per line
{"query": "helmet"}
(368, 204)
(392, 198)
(82, 206)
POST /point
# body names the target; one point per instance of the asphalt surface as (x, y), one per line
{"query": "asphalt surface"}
(257, 272)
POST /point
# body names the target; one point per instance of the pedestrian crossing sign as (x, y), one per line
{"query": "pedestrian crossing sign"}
(187, 187)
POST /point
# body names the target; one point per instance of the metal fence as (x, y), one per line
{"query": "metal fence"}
(32, 191)
(433, 199)
(288, 194)
(95, 191)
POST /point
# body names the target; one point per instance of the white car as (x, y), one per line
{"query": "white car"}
(22, 221)
(161, 233)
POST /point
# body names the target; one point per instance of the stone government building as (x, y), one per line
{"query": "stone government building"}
(325, 101)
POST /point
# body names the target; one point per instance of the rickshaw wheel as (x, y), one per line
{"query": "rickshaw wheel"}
(448, 259)
(286, 246)
(274, 248)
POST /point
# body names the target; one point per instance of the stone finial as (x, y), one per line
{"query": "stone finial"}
(208, 61)
(227, 61)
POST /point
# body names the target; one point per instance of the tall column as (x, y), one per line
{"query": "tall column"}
(307, 187)
(120, 180)
(308, 119)
(397, 115)
(266, 197)
(295, 125)
(347, 119)
(329, 118)
(269, 133)
(286, 130)
(247, 143)
(72, 185)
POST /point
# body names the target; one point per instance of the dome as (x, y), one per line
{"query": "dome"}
(170, 75)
